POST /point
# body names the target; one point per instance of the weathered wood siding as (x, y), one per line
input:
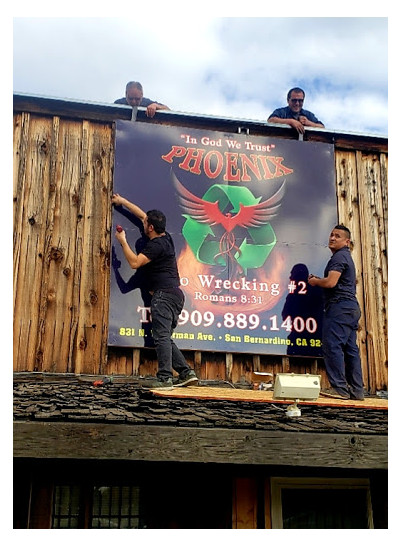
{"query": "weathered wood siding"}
(362, 205)
(62, 219)
(63, 179)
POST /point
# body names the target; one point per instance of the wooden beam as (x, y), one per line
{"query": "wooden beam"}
(244, 513)
(285, 364)
(136, 362)
(314, 366)
(197, 364)
(190, 444)
(267, 504)
(374, 257)
(228, 366)
(256, 363)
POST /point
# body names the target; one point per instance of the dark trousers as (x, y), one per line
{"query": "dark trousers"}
(341, 354)
(165, 311)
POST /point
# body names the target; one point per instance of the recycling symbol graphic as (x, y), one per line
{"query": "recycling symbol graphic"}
(245, 211)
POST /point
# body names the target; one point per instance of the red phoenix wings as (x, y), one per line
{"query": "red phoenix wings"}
(209, 213)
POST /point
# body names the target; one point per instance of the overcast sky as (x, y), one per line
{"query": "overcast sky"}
(227, 66)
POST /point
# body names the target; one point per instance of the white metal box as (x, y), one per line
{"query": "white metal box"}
(297, 386)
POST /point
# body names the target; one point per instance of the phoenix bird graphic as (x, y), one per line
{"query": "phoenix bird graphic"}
(248, 216)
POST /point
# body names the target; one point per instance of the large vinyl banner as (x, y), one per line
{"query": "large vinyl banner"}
(250, 218)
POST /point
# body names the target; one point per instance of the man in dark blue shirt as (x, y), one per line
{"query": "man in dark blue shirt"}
(294, 114)
(158, 260)
(134, 97)
(341, 316)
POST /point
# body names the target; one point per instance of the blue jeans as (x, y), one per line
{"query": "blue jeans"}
(339, 344)
(165, 311)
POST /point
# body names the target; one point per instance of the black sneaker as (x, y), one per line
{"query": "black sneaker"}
(356, 396)
(149, 384)
(188, 379)
(332, 393)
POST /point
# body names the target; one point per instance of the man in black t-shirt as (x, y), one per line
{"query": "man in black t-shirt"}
(341, 316)
(162, 281)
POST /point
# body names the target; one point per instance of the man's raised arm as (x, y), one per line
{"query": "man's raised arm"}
(118, 200)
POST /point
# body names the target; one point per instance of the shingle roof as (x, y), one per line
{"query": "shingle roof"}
(70, 398)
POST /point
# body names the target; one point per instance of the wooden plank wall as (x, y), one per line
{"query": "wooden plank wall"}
(362, 206)
(63, 177)
(62, 223)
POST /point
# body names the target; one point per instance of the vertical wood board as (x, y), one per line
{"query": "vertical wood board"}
(374, 252)
(62, 222)
(349, 215)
